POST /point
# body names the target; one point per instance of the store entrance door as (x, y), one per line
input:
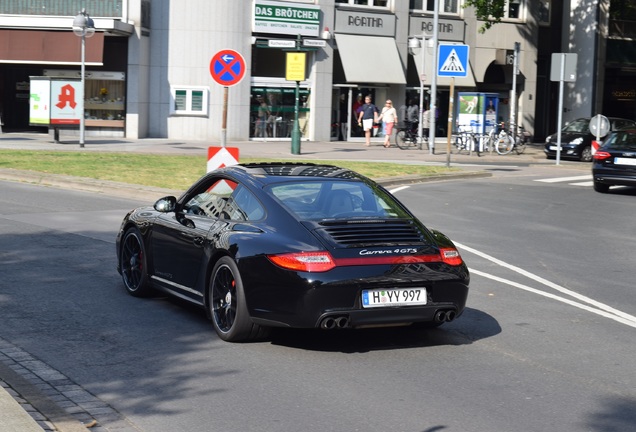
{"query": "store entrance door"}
(346, 104)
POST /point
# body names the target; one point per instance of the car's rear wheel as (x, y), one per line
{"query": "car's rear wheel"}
(227, 306)
(134, 271)
(586, 154)
(600, 187)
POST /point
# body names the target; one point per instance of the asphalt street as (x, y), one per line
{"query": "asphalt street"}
(22, 407)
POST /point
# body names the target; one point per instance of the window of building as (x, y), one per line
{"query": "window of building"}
(513, 9)
(373, 3)
(188, 100)
(445, 6)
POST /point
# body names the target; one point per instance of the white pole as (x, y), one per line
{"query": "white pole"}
(420, 128)
(513, 95)
(560, 115)
(82, 111)
(433, 107)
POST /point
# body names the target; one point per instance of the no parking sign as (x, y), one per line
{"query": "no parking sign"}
(227, 67)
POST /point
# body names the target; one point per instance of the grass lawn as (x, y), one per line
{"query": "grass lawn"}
(171, 172)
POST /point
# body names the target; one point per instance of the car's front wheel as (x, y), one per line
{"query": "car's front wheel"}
(132, 262)
(586, 154)
(227, 305)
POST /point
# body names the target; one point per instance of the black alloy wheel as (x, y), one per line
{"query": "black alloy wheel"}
(133, 266)
(227, 307)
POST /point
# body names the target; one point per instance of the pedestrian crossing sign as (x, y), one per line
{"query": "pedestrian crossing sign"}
(452, 61)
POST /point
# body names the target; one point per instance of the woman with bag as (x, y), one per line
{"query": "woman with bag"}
(389, 117)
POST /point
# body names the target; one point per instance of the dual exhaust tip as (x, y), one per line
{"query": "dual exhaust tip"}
(337, 322)
(342, 322)
(445, 316)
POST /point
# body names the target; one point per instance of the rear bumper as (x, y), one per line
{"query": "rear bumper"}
(614, 178)
(340, 307)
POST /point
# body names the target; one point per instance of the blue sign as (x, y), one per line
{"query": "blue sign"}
(227, 67)
(453, 61)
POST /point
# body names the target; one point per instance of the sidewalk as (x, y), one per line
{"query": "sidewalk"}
(318, 150)
(16, 411)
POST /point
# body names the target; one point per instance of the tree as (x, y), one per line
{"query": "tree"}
(489, 11)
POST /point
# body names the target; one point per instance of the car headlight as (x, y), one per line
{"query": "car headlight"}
(577, 141)
(548, 138)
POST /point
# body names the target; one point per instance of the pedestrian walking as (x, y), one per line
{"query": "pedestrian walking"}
(413, 114)
(367, 117)
(389, 118)
(426, 122)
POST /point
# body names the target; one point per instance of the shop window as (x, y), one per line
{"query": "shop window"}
(445, 6)
(104, 96)
(272, 112)
(189, 101)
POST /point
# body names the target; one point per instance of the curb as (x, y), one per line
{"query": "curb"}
(396, 181)
(125, 190)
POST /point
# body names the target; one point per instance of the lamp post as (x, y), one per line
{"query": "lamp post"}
(414, 42)
(84, 27)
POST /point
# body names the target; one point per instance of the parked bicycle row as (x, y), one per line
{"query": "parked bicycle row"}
(500, 139)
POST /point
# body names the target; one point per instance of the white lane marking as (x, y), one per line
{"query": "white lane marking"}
(565, 179)
(599, 308)
(603, 307)
(397, 189)
(588, 183)
(557, 298)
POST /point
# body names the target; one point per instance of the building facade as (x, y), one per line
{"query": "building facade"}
(150, 70)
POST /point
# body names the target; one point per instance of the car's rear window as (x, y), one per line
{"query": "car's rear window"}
(621, 141)
(316, 200)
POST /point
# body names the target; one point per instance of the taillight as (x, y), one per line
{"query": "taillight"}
(304, 261)
(451, 256)
(601, 155)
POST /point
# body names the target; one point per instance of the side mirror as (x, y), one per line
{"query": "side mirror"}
(166, 204)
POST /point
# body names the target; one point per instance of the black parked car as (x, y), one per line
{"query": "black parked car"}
(292, 245)
(615, 162)
(576, 139)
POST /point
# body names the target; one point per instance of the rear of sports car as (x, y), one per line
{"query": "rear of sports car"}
(369, 265)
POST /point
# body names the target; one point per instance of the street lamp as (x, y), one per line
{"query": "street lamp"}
(84, 27)
(415, 43)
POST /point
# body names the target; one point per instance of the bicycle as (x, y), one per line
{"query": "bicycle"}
(466, 141)
(509, 141)
(407, 137)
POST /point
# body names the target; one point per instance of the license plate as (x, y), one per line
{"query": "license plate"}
(624, 161)
(393, 297)
(554, 148)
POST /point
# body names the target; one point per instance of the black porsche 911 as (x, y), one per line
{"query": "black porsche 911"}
(292, 245)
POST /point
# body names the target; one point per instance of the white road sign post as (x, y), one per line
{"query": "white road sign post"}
(563, 69)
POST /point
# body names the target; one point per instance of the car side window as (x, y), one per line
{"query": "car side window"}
(243, 206)
(212, 200)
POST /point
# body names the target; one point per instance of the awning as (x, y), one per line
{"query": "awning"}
(49, 47)
(429, 60)
(370, 59)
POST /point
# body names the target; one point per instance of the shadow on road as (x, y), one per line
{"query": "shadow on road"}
(473, 325)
